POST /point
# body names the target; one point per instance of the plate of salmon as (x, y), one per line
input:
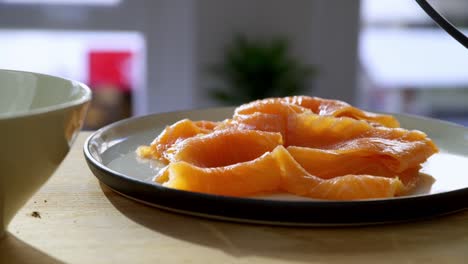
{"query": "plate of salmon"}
(299, 160)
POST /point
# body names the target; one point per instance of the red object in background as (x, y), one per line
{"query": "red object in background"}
(110, 68)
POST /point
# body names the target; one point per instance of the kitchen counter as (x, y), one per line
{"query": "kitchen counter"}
(76, 219)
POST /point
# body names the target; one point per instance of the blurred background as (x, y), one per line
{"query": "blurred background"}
(145, 56)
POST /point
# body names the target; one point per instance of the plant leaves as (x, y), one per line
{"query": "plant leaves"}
(257, 69)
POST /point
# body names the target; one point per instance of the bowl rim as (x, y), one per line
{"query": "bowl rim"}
(86, 97)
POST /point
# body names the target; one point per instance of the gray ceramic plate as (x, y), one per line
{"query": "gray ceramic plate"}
(110, 153)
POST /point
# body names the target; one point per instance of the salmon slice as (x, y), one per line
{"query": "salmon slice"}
(321, 131)
(224, 147)
(267, 115)
(397, 154)
(324, 132)
(272, 172)
(337, 146)
(357, 187)
(207, 126)
(298, 181)
(337, 108)
(275, 106)
(172, 134)
(328, 164)
(319, 106)
(260, 175)
(263, 122)
(301, 116)
(298, 125)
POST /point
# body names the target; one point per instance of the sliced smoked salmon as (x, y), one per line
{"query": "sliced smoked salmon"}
(260, 175)
(327, 164)
(272, 172)
(319, 106)
(307, 146)
(298, 181)
(266, 115)
(275, 106)
(172, 134)
(324, 131)
(294, 121)
(224, 147)
(337, 108)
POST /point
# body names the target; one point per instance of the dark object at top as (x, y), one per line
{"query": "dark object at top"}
(443, 23)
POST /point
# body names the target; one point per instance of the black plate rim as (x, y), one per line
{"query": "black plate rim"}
(253, 209)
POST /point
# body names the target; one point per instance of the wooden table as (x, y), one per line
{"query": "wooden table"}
(82, 221)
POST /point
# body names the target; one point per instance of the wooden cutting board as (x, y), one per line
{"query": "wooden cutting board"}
(79, 220)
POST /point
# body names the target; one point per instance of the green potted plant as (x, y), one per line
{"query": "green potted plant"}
(254, 69)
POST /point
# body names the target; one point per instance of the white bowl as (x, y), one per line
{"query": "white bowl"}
(40, 116)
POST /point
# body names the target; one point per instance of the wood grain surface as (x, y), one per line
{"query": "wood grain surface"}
(83, 221)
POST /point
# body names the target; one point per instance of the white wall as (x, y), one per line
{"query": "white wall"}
(166, 25)
(65, 53)
(335, 30)
(185, 36)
